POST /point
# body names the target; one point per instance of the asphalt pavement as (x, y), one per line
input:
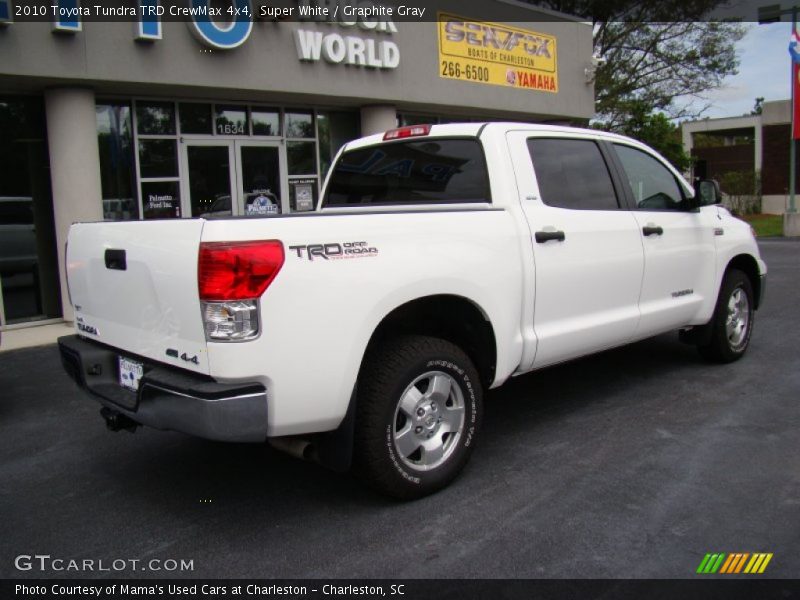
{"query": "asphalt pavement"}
(632, 463)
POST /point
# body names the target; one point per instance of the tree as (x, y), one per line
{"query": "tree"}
(653, 64)
(650, 53)
(657, 131)
(758, 107)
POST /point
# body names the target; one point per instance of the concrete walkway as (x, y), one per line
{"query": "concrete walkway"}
(30, 337)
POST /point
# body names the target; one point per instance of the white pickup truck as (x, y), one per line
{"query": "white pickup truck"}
(442, 261)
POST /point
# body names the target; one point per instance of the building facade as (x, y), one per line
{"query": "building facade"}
(754, 145)
(151, 119)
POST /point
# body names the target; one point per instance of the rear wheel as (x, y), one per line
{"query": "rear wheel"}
(419, 410)
(732, 323)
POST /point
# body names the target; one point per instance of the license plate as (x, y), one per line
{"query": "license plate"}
(130, 372)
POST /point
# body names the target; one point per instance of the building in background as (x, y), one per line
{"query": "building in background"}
(751, 150)
(154, 120)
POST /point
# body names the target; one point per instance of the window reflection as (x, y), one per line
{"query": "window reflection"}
(301, 158)
(155, 118)
(299, 124)
(231, 120)
(117, 178)
(266, 122)
(158, 158)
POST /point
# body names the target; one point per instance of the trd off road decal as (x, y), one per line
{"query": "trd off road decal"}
(335, 250)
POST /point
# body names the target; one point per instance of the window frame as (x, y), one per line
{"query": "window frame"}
(630, 200)
(617, 184)
(180, 135)
(488, 199)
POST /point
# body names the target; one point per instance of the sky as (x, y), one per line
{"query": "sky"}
(764, 70)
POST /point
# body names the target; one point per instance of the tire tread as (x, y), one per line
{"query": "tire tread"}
(379, 376)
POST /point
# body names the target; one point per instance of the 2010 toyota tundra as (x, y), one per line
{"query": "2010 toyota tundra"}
(442, 261)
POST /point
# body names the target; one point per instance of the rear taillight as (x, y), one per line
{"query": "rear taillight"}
(231, 277)
(237, 270)
(407, 132)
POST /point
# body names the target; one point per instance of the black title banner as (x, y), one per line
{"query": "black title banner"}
(546, 589)
(371, 11)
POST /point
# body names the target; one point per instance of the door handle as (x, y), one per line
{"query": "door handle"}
(652, 230)
(115, 260)
(546, 236)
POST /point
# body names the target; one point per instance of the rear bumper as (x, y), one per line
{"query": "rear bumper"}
(168, 398)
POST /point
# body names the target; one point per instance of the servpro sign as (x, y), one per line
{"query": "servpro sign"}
(496, 54)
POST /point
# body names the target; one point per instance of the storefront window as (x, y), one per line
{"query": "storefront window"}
(158, 158)
(29, 288)
(266, 122)
(303, 194)
(334, 130)
(301, 157)
(116, 161)
(155, 118)
(231, 120)
(195, 118)
(300, 125)
(205, 173)
(161, 199)
(406, 120)
(261, 180)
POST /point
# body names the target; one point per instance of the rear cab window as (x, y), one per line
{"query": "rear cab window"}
(434, 170)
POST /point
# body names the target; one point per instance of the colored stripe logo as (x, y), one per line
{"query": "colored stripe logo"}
(734, 563)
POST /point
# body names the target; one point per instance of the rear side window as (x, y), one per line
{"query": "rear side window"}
(434, 170)
(572, 174)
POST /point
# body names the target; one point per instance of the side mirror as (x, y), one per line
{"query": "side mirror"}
(707, 192)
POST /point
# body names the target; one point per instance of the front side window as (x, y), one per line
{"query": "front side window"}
(654, 187)
(572, 173)
(433, 170)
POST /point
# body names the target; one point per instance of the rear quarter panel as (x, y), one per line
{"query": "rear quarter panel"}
(318, 315)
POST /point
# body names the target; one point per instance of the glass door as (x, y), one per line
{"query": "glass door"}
(261, 178)
(210, 170)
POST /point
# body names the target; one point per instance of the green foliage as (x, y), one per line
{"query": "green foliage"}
(649, 65)
(657, 131)
(654, 52)
(743, 189)
(766, 225)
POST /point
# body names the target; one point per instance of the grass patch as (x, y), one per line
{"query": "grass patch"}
(765, 225)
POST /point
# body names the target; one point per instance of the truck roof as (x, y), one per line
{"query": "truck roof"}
(474, 129)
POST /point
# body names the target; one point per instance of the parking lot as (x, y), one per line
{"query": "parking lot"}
(633, 463)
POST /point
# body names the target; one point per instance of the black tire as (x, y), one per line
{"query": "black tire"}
(383, 421)
(724, 347)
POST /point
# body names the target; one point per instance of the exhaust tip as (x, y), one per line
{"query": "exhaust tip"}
(297, 447)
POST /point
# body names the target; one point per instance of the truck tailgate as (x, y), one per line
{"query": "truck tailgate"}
(134, 286)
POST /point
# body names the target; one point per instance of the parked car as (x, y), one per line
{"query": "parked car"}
(442, 261)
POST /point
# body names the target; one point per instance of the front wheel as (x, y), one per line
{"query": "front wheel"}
(732, 323)
(418, 414)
